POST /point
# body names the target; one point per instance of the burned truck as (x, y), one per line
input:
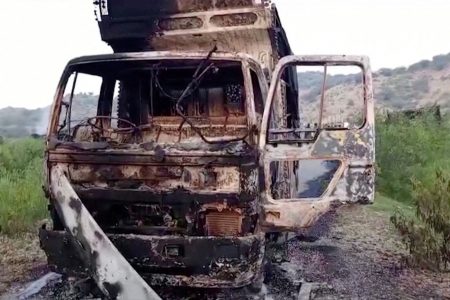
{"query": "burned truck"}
(168, 165)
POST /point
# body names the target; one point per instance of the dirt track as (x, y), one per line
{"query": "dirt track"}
(355, 255)
(360, 257)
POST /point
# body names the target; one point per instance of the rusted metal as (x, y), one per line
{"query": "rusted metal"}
(353, 182)
(203, 262)
(184, 189)
(224, 223)
(113, 274)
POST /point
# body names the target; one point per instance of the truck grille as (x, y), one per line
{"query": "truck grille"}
(224, 223)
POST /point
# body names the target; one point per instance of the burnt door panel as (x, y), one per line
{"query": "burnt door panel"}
(322, 155)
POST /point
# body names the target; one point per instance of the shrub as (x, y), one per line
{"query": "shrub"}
(440, 62)
(428, 237)
(421, 65)
(386, 72)
(411, 148)
(399, 71)
(421, 85)
(386, 93)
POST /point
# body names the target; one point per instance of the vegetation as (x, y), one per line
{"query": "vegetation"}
(414, 168)
(22, 202)
(411, 148)
(427, 236)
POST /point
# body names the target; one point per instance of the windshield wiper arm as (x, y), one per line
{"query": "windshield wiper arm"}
(196, 78)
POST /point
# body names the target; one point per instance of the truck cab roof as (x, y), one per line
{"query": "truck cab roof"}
(162, 55)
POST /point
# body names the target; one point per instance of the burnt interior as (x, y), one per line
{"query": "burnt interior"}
(137, 103)
(131, 183)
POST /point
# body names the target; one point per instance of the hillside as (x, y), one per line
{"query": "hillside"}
(21, 122)
(424, 83)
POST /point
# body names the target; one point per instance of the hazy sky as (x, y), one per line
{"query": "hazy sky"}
(38, 37)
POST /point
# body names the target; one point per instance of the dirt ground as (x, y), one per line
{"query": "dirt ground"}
(350, 254)
(359, 256)
(21, 260)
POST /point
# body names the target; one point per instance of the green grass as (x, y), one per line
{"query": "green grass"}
(22, 202)
(389, 206)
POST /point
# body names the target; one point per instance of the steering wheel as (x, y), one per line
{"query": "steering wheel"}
(132, 127)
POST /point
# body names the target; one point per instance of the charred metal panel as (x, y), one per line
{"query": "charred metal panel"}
(193, 193)
(113, 274)
(234, 19)
(353, 149)
(206, 262)
(246, 26)
(160, 178)
(180, 23)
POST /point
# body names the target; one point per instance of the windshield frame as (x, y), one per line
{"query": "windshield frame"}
(243, 59)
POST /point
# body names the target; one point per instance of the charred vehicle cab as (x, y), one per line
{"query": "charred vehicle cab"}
(171, 189)
(169, 166)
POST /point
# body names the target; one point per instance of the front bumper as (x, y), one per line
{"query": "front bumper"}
(201, 262)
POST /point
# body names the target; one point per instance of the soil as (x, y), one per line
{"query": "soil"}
(21, 260)
(359, 256)
(352, 253)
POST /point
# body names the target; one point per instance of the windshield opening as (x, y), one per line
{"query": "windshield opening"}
(136, 102)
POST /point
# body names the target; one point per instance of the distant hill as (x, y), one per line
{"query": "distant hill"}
(21, 122)
(424, 83)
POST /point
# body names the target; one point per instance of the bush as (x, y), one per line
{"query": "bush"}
(428, 237)
(386, 93)
(421, 85)
(399, 71)
(440, 62)
(421, 65)
(386, 72)
(411, 148)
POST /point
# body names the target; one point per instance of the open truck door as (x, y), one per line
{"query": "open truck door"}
(325, 155)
